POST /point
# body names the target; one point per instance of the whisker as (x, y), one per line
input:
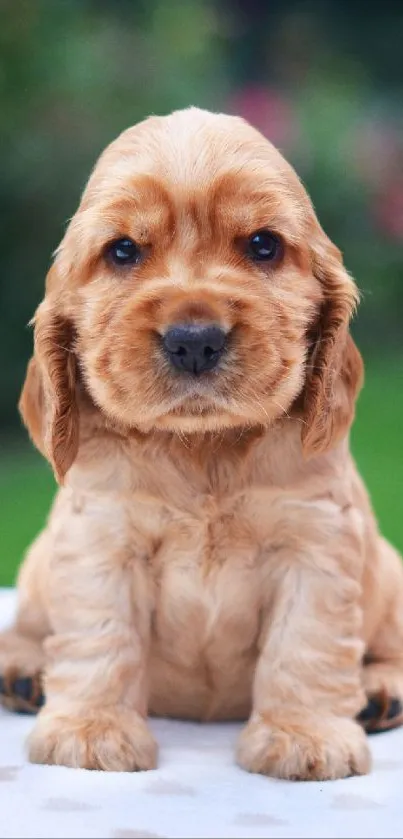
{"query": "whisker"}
(60, 347)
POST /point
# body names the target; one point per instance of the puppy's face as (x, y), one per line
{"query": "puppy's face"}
(193, 281)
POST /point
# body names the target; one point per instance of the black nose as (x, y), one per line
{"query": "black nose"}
(193, 347)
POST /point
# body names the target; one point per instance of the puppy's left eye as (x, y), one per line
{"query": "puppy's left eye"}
(124, 252)
(263, 246)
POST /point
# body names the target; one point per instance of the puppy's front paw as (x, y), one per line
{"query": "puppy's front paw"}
(21, 663)
(310, 749)
(115, 740)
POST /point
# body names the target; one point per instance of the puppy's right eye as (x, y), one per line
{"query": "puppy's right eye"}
(124, 252)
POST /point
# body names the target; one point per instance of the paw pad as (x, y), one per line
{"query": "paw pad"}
(381, 713)
(21, 694)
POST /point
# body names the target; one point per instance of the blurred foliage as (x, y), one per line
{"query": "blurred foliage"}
(323, 80)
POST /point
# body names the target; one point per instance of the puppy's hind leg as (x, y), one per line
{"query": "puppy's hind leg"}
(21, 646)
(383, 666)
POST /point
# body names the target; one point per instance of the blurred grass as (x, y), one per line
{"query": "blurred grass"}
(26, 490)
(27, 486)
(377, 438)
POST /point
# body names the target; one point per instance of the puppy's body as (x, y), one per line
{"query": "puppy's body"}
(212, 553)
(206, 533)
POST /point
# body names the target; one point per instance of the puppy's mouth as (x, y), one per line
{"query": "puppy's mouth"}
(193, 401)
(209, 403)
(201, 394)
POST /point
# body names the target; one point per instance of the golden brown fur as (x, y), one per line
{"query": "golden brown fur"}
(211, 553)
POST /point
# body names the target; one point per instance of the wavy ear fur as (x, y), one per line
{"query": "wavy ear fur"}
(32, 404)
(48, 400)
(335, 369)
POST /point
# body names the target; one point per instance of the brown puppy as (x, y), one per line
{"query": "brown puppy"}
(212, 553)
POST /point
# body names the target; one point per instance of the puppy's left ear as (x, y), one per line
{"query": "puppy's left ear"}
(335, 368)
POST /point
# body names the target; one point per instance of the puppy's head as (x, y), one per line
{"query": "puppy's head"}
(194, 291)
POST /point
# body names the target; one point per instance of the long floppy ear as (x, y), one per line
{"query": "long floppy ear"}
(48, 400)
(335, 368)
(32, 404)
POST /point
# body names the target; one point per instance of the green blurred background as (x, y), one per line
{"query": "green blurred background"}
(323, 80)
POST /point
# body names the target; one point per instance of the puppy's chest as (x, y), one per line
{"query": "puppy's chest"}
(209, 533)
(206, 572)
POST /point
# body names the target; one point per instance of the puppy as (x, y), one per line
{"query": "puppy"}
(211, 553)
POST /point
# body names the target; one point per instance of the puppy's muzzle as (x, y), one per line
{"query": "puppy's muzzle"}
(194, 348)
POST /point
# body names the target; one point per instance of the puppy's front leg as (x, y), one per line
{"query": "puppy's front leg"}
(95, 680)
(307, 687)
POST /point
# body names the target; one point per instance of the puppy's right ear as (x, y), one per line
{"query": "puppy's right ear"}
(48, 403)
(32, 404)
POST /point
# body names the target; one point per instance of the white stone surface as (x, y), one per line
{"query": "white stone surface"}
(197, 791)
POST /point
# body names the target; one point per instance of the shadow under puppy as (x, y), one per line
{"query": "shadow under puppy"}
(211, 553)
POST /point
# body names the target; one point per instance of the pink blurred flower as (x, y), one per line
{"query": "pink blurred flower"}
(269, 111)
(389, 209)
(374, 149)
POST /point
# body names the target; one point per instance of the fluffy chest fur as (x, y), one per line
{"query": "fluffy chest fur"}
(206, 615)
(203, 540)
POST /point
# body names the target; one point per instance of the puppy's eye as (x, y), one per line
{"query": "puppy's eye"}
(124, 252)
(263, 246)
